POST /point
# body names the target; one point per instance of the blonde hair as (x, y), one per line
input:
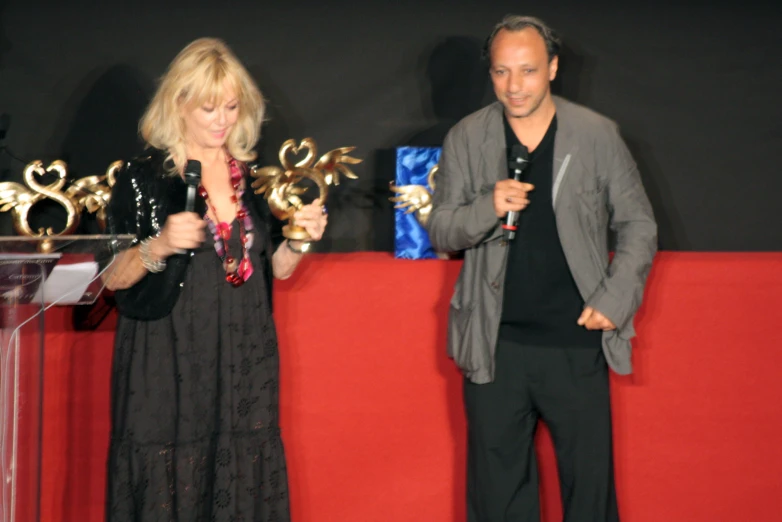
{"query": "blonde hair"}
(198, 75)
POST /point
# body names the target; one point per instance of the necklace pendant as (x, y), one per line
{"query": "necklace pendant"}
(234, 279)
(245, 268)
(225, 230)
(230, 265)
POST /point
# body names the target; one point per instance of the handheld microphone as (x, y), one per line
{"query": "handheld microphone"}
(517, 162)
(192, 179)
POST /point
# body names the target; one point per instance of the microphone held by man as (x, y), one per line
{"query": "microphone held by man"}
(518, 159)
(511, 195)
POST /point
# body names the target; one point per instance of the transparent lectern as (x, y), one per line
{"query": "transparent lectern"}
(36, 273)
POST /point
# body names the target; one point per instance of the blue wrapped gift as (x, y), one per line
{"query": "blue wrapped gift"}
(413, 201)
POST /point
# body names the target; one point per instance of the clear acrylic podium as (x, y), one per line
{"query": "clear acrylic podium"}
(36, 273)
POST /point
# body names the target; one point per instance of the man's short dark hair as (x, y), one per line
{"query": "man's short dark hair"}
(517, 23)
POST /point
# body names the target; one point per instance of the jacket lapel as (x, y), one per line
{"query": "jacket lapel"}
(566, 164)
(493, 165)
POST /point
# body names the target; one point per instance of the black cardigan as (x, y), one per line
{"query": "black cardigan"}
(141, 200)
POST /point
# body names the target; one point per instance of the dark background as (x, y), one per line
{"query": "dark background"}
(695, 89)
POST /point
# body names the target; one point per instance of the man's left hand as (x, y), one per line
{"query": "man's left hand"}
(591, 319)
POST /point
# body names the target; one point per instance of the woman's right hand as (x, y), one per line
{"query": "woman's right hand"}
(182, 231)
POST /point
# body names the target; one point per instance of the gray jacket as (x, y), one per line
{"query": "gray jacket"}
(596, 186)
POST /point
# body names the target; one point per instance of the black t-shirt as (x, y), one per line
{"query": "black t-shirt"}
(541, 302)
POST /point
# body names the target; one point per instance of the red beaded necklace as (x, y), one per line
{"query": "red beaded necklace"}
(236, 272)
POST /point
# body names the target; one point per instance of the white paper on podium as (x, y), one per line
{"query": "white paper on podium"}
(67, 283)
(20, 281)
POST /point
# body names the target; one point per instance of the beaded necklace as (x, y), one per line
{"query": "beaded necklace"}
(236, 271)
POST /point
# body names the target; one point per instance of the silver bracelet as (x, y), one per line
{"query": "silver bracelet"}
(152, 265)
(304, 247)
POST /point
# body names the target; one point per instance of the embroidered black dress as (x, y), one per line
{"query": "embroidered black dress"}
(195, 435)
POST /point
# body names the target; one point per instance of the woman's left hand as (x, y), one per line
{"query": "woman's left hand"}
(313, 219)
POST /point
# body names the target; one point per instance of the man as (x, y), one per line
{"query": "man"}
(535, 322)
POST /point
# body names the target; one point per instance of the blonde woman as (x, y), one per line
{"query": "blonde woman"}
(195, 434)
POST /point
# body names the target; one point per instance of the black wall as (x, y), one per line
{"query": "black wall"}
(694, 88)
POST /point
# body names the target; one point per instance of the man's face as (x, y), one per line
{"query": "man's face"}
(521, 71)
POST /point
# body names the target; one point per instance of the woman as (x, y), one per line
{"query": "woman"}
(195, 433)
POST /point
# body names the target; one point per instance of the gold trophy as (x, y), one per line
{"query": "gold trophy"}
(416, 198)
(282, 186)
(91, 192)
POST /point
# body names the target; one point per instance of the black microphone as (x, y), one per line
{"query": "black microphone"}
(192, 179)
(517, 162)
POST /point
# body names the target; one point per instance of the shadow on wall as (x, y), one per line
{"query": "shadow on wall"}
(670, 229)
(453, 83)
(8, 164)
(574, 74)
(576, 69)
(282, 120)
(98, 125)
(5, 44)
(456, 84)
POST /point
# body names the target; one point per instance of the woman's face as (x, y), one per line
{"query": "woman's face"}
(207, 126)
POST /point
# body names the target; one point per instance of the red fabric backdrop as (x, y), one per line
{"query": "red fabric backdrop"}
(371, 407)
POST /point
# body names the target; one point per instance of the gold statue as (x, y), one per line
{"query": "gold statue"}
(333, 162)
(91, 192)
(416, 198)
(20, 199)
(94, 192)
(281, 185)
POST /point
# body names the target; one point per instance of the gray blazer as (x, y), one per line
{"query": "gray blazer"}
(596, 186)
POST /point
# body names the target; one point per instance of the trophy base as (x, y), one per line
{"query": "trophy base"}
(295, 232)
(46, 246)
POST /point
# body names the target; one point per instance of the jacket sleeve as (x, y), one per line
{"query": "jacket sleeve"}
(631, 218)
(462, 217)
(129, 212)
(124, 213)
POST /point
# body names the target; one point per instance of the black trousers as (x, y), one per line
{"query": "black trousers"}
(568, 389)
